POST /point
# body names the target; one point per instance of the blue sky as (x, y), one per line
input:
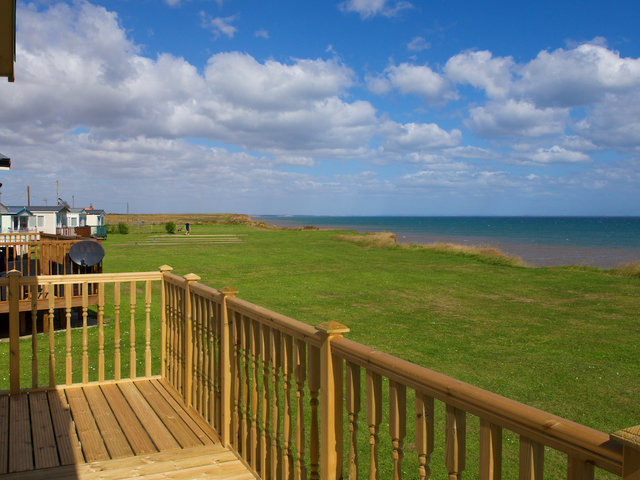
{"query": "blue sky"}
(350, 107)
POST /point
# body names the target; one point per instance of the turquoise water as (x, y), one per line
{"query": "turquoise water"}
(597, 241)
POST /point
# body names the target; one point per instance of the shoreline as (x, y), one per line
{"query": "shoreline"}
(535, 255)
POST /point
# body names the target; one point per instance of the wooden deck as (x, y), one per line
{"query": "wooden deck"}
(112, 430)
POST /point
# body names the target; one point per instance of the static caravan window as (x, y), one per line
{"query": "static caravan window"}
(73, 222)
(41, 220)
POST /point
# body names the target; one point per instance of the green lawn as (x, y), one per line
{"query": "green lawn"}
(561, 339)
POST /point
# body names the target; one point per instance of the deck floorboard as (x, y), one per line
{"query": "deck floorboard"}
(110, 431)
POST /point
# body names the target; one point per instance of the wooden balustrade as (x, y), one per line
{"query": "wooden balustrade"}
(298, 402)
(71, 357)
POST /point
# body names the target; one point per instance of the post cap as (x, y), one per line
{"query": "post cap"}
(628, 436)
(332, 328)
(165, 268)
(228, 291)
(191, 277)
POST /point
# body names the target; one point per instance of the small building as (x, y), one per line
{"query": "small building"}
(34, 219)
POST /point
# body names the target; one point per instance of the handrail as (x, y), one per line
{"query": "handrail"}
(279, 391)
(548, 429)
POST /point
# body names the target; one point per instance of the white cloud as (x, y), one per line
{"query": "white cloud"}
(516, 119)
(371, 8)
(557, 154)
(261, 33)
(412, 137)
(418, 44)
(219, 25)
(577, 77)
(482, 70)
(416, 80)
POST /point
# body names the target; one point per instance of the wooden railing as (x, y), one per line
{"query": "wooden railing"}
(296, 401)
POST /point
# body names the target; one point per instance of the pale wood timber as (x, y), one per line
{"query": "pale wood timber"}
(68, 365)
(490, 451)
(132, 329)
(330, 402)
(300, 371)
(225, 366)
(531, 460)
(45, 452)
(314, 427)
(424, 433)
(397, 425)
(19, 434)
(114, 440)
(374, 417)
(34, 338)
(4, 432)
(85, 334)
(101, 332)
(163, 320)
(69, 449)
(52, 357)
(455, 442)
(116, 331)
(14, 329)
(287, 370)
(92, 444)
(353, 410)
(630, 440)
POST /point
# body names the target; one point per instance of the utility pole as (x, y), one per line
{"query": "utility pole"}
(28, 196)
(57, 194)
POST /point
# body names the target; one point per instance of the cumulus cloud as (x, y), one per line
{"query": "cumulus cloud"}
(417, 80)
(482, 70)
(577, 77)
(516, 119)
(371, 8)
(412, 137)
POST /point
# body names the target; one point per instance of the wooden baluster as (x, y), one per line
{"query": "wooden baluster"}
(265, 435)
(147, 334)
(202, 355)
(254, 340)
(116, 331)
(455, 442)
(300, 370)
(397, 424)
(132, 330)
(101, 332)
(52, 353)
(579, 469)
(235, 379)
(314, 433)
(287, 369)
(227, 368)
(490, 451)
(164, 314)
(374, 417)
(34, 335)
(85, 334)
(211, 387)
(217, 328)
(67, 303)
(276, 359)
(13, 294)
(424, 434)
(195, 356)
(246, 398)
(531, 459)
(353, 409)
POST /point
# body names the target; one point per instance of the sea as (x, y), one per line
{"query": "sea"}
(603, 242)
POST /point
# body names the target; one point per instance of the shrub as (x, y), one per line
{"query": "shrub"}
(170, 227)
(123, 228)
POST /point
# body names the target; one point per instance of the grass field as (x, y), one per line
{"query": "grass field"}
(561, 339)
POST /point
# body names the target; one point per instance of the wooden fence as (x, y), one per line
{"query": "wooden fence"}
(297, 402)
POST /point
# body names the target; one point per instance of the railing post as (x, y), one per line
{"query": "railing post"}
(226, 359)
(630, 440)
(14, 330)
(331, 393)
(164, 269)
(188, 339)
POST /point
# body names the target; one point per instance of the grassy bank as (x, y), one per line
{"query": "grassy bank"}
(561, 339)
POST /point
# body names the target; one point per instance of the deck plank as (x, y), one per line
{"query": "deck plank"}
(45, 452)
(4, 433)
(206, 462)
(181, 432)
(69, 449)
(131, 427)
(159, 434)
(20, 446)
(92, 445)
(198, 425)
(113, 437)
